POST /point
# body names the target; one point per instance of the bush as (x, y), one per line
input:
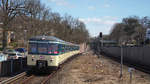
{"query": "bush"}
(14, 44)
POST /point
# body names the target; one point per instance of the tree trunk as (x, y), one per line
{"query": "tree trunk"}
(4, 43)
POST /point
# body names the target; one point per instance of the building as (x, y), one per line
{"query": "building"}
(1, 32)
(8, 35)
(148, 33)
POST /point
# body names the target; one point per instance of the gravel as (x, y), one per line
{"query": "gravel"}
(89, 69)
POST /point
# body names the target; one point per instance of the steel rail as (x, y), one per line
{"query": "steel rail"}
(26, 80)
(7, 81)
(47, 78)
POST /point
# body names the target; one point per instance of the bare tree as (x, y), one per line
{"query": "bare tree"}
(131, 28)
(32, 15)
(10, 9)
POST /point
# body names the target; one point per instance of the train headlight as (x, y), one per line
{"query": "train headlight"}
(51, 59)
(32, 58)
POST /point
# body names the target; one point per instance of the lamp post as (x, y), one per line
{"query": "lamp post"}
(12, 36)
(101, 41)
(121, 67)
(121, 60)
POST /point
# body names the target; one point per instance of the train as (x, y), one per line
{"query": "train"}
(49, 52)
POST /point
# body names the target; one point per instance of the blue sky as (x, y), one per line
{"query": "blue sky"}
(100, 15)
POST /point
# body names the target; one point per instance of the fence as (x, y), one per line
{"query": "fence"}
(12, 66)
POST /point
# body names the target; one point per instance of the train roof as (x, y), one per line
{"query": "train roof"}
(49, 39)
(45, 38)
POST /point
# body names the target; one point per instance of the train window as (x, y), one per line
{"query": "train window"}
(78, 47)
(70, 48)
(148, 32)
(42, 48)
(53, 49)
(61, 48)
(32, 48)
(66, 48)
(75, 47)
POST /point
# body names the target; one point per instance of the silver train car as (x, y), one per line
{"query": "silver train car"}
(49, 51)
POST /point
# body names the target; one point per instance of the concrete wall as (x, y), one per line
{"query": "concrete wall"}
(12, 66)
(135, 55)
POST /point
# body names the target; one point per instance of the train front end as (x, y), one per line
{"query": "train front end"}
(42, 55)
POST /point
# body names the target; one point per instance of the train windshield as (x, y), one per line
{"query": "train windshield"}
(33, 48)
(43, 48)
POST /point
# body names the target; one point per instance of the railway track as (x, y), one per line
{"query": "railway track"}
(22, 78)
(12, 79)
(48, 77)
(24, 81)
(33, 79)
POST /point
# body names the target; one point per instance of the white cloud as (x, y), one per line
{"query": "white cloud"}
(102, 24)
(62, 3)
(91, 8)
(52, 0)
(107, 20)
